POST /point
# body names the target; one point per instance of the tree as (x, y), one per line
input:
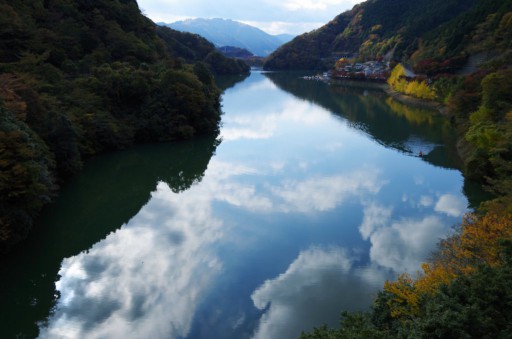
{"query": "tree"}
(26, 180)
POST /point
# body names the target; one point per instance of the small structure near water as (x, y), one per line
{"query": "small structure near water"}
(370, 70)
(319, 77)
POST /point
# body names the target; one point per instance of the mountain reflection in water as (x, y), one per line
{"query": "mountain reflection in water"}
(307, 202)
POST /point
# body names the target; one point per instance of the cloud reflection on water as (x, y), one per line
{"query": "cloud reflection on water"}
(325, 193)
(317, 194)
(144, 280)
(263, 123)
(402, 244)
(148, 278)
(318, 279)
(451, 205)
(316, 286)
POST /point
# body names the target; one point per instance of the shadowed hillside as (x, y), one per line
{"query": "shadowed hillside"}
(402, 30)
(78, 78)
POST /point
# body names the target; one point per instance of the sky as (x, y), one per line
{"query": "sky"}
(274, 17)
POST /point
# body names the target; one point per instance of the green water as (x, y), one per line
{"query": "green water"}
(308, 200)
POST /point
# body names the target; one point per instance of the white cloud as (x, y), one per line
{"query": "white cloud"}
(426, 201)
(263, 123)
(280, 27)
(290, 16)
(451, 205)
(309, 195)
(325, 193)
(374, 217)
(322, 5)
(241, 127)
(144, 280)
(402, 245)
(315, 288)
(405, 244)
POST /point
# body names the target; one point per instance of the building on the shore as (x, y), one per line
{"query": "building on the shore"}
(372, 70)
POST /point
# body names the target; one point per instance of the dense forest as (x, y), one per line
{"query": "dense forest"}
(458, 54)
(82, 77)
(447, 30)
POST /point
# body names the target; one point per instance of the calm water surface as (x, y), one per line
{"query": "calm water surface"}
(308, 200)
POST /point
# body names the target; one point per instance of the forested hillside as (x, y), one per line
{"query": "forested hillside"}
(82, 77)
(401, 30)
(461, 54)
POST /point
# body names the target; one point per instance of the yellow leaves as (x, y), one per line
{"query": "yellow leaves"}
(396, 74)
(405, 301)
(480, 236)
(433, 277)
(477, 243)
(416, 88)
(420, 89)
(408, 292)
(413, 114)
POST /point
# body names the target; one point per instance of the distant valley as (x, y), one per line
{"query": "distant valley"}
(224, 32)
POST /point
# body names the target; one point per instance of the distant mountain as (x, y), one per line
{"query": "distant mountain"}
(195, 48)
(223, 32)
(403, 30)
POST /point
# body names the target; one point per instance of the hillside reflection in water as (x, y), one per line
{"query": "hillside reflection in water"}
(298, 216)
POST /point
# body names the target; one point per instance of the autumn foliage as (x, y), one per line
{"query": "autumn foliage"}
(417, 88)
(477, 244)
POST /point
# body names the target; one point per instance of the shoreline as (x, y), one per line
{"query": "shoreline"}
(407, 99)
(374, 84)
(400, 97)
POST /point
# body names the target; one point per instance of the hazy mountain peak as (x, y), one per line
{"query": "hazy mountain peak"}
(227, 32)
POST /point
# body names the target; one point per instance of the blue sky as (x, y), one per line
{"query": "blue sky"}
(272, 16)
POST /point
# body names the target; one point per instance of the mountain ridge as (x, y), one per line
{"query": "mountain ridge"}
(441, 29)
(226, 32)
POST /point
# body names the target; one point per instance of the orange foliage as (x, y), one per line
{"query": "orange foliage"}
(477, 243)
(432, 278)
(405, 301)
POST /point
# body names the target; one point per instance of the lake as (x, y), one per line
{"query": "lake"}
(311, 197)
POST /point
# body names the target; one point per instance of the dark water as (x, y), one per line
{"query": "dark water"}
(311, 197)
